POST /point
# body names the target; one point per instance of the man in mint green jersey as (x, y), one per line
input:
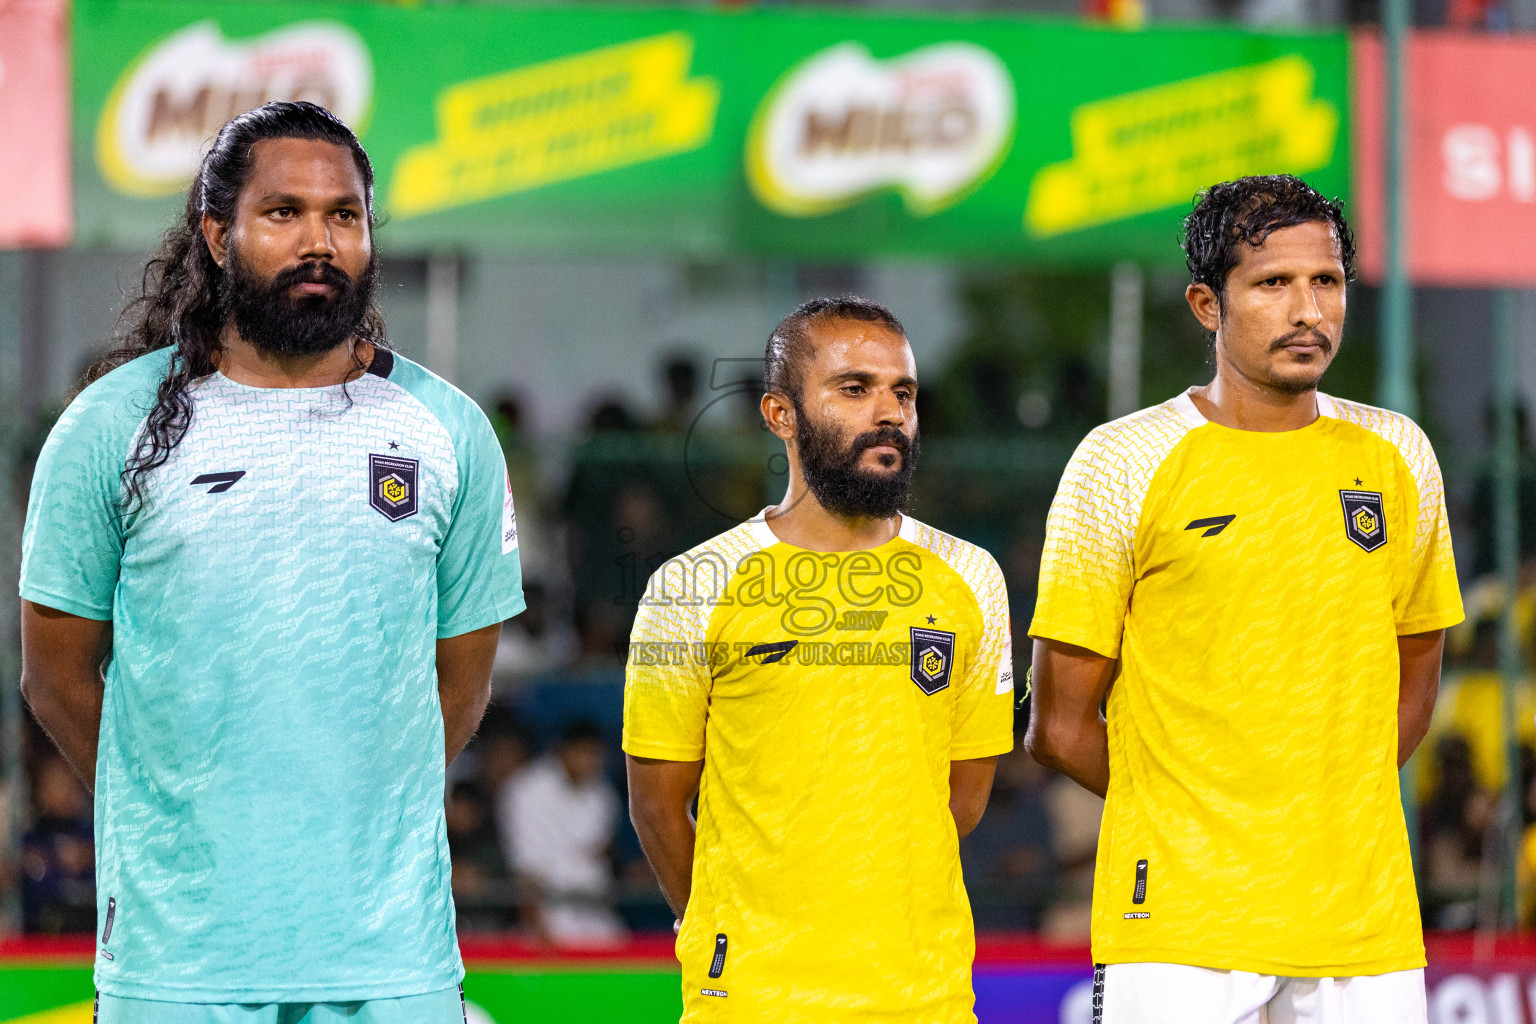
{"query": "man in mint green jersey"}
(292, 549)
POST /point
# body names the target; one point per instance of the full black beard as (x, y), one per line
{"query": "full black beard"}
(842, 486)
(275, 322)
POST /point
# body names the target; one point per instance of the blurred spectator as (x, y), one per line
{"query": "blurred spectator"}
(534, 642)
(610, 470)
(1009, 860)
(1075, 815)
(58, 862)
(502, 748)
(612, 416)
(680, 388)
(476, 858)
(1455, 823)
(1526, 864)
(1482, 506)
(535, 539)
(557, 817)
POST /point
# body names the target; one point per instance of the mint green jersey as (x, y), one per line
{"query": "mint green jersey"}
(269, 786)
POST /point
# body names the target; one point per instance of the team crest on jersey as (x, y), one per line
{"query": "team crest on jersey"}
(933, 653)
(1365, 522)
(392, 486)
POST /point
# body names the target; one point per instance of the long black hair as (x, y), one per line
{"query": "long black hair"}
(183, 295)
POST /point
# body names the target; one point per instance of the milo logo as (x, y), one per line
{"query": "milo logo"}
(932, 125)
(168, 104)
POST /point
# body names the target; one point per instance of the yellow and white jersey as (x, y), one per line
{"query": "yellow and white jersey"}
(1253, 586)
(827, 694)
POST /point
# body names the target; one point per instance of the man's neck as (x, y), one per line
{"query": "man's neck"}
(1233, 400)
(255, 367)
(800, 520)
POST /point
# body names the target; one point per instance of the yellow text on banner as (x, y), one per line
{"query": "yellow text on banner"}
(1148, 150)
(567, 118)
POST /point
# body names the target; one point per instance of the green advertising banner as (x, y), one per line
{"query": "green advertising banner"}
(784, 133)
(61, 993)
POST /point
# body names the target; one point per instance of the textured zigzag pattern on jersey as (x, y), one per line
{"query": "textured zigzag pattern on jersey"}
(684, 592)
(306, 609)
(1409, 440)
(1097, 508)
(981, 573)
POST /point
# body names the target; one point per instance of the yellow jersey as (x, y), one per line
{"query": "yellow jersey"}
(1252, 587)
(827, 694)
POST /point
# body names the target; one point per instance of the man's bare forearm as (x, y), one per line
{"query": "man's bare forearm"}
(462, 713)
(1066, 732)
(660, 793)
(61, 662)
(667, 839)
(69, 710)
(464, 665)
(1083, 758)
(970, 784)
(1419, 657)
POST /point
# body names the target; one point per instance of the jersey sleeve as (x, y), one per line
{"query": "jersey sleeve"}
(72, 543)
(983, 711)
(667, 679)
(1087, 567)
(479, 575)
(1427, 596)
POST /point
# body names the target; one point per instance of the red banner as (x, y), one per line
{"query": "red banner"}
(34, 124)
(1471, 167)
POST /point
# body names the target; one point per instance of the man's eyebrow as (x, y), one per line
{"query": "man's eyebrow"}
(290, 199)
(867, 376)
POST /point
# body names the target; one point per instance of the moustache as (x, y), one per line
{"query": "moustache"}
(315, 272)
(1311, 335)
(886, 436)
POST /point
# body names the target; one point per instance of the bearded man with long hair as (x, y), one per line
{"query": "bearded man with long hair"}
(264, 568)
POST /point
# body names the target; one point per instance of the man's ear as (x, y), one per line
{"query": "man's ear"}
(1205, 304)
(779, 413)
(216, 235)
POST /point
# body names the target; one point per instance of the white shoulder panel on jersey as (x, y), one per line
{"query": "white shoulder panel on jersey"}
(1412, 444)
(981, 573)
(684, 592)
(1097, 509)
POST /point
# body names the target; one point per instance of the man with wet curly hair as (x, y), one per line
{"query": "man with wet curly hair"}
(1253, 580)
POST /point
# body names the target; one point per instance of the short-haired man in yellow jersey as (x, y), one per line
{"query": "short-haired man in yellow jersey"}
(1258, 578)
(833, 680)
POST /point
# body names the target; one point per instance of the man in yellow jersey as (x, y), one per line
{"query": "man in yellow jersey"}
(834, 680)
(1258, 578)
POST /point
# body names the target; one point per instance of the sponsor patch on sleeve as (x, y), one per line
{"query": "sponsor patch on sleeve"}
(1005, 662)
(508, 521)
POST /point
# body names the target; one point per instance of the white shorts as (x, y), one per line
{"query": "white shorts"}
(1176, 994)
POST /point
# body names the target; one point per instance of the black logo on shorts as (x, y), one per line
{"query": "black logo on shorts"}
(392, 486)
(933, 653)
(1364, 521)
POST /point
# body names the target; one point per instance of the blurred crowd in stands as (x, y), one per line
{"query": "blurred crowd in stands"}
(537, 828)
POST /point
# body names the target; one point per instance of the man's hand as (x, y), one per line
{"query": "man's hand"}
(970, 784)
(1418, 656)
(660, 793)
(61, 660)
(1066, 731)
(464, 683)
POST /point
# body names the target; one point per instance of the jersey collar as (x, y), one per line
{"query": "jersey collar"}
(1185, 406)
(765, 537)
